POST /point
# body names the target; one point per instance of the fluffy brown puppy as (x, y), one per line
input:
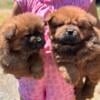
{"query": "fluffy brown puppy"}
(76, 47)
(21, 39)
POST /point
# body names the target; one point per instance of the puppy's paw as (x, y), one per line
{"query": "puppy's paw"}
(37, 71)
(36, 66)
(65, 74)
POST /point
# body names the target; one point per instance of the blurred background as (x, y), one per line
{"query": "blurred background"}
(97, 1)
(5, 9)
(6, 6)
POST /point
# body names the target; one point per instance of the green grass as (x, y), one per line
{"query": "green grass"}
(4, 13)
(98, 9)
(6, 5)
(5, 9)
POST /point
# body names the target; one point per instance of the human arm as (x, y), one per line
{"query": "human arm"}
(16, 9)
(93, 10)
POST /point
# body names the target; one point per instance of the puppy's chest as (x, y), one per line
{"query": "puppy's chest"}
(69, 60)
(79, 60)
(69, 69)
(73, 68)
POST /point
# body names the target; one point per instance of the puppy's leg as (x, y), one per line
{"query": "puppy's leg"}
(88, 89)
(78, 90)
(36, 66)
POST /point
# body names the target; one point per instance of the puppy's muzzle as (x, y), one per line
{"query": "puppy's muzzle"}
(70, 37)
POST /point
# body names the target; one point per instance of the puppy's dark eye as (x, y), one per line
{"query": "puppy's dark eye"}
(84, 25)
(26, 37)
(37, 33)
(55, 25)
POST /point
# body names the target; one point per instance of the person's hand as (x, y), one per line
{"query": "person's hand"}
(16, 9)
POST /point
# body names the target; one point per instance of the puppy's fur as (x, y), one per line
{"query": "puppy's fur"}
(76, 47)
(21, 39)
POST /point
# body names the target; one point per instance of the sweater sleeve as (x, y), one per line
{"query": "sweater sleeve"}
(22, 4)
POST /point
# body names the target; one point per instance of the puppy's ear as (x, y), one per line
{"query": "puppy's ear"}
(87, 21)
(97, 32)
(50, 19)
(10, 31)
(92, 20)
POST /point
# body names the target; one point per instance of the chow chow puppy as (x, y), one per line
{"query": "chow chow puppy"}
(21, 39)
(76, 47)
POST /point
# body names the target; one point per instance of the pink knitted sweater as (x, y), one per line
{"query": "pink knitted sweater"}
(41, 7)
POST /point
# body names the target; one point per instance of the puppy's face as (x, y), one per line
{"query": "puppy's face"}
(25, 34)
(21, 39)
(70, 28)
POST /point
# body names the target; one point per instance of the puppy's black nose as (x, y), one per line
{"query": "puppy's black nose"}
(40, 42)
(70, 33)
